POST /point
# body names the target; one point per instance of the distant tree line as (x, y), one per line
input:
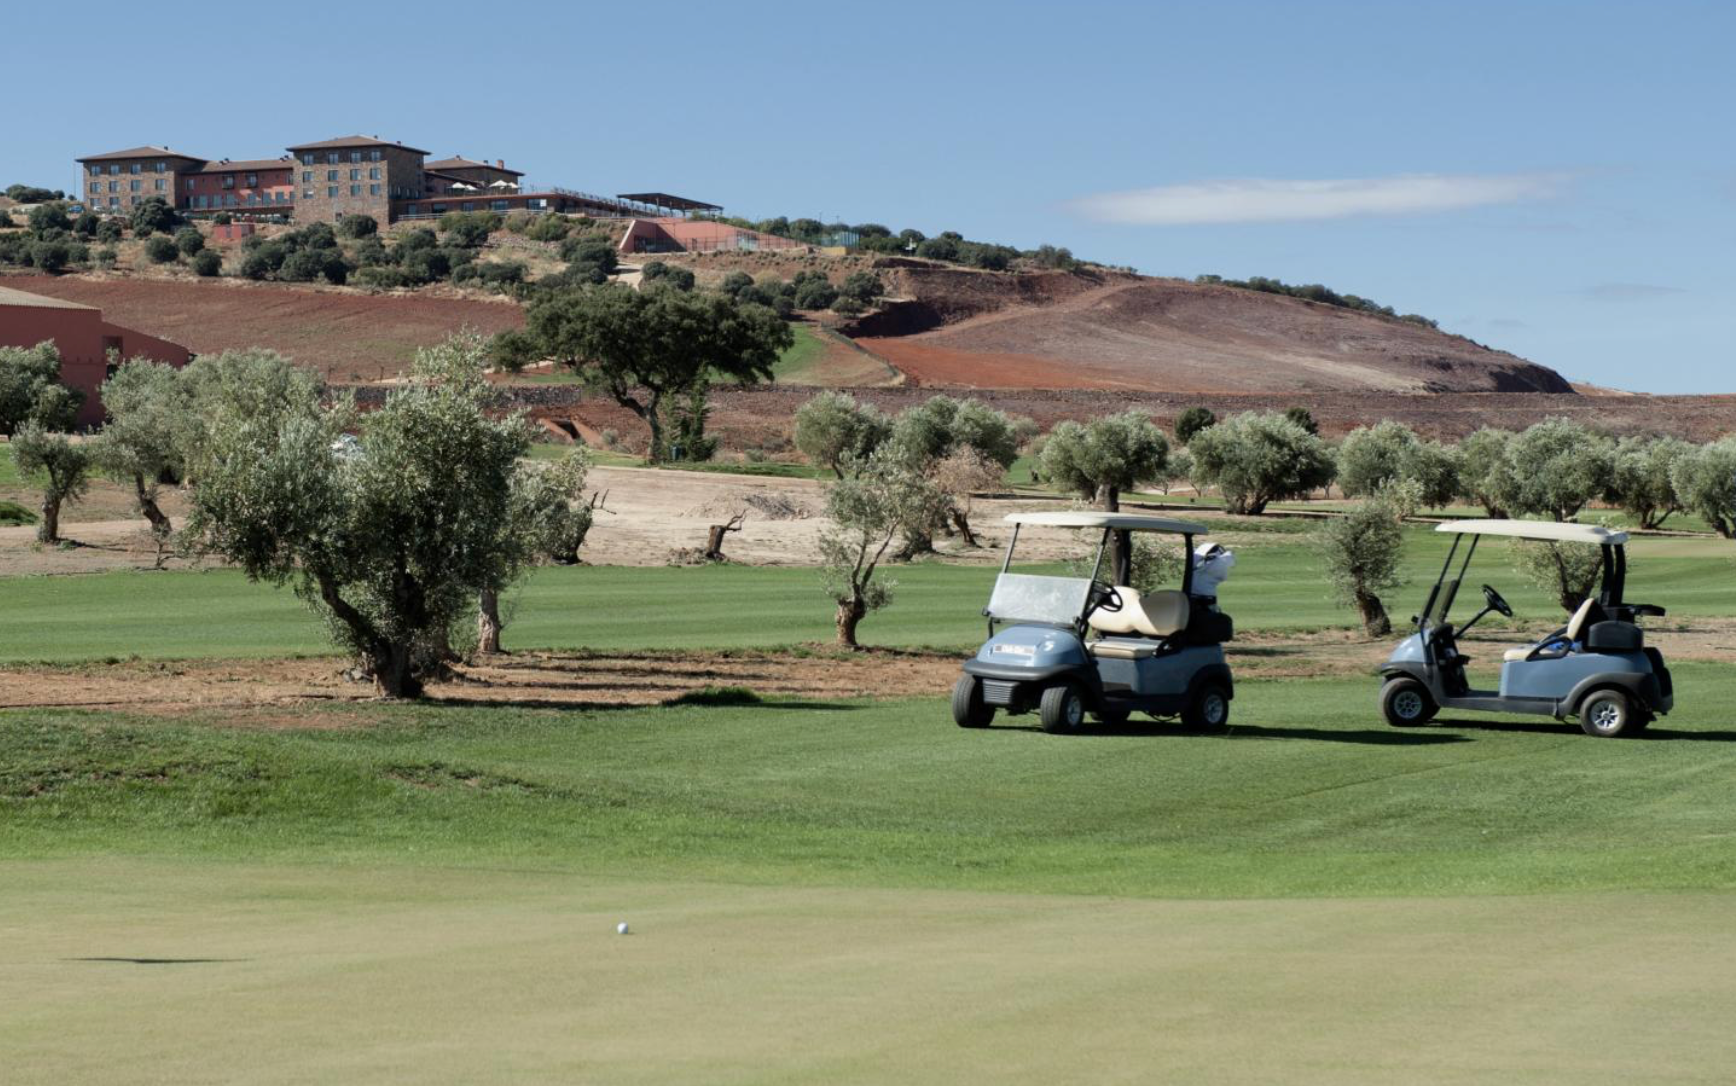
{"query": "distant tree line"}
(1315, 292)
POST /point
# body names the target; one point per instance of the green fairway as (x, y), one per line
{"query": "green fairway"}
(862, 892)
(1310, 794)
(1276, 586)
(801, 355)
(122, 971)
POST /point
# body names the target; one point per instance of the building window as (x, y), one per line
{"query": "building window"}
(373, 190)
(159, 184)
(114, 201)
(133, 185)
(306, 175)
(307, 194)
(439, 209)
(467, 206)
(374, 155)
(355, 156)
(282, 196)
(252, 180)
(136, 168)
(374, 173)
(412, 210)
(114, 169)
(355, 190)
(228, 180)
(331, 192)
(132, 199)
(355, 175)
(331, 158)
(307, 158)
(159, 167)
(96, 170)
(331, 175)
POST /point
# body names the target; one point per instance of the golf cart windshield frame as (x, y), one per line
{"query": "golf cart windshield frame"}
(1613, 567)
(1016, 590)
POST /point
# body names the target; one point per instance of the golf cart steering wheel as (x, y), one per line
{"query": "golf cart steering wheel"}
(1104, 598)
(1496, 603)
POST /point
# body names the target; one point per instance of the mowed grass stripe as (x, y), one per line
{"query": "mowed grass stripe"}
(1276, 585)
(1310, 794)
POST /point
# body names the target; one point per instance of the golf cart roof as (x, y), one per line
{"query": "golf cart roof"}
(1133, 522)
(1549, 531)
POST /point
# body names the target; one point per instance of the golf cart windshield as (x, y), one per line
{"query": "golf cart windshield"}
(1026, 597)
(1062, 601)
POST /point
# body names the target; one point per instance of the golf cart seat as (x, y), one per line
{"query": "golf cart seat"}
(1155, 614)
(1572, 632)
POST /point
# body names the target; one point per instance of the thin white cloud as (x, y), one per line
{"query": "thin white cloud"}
(1301, 201)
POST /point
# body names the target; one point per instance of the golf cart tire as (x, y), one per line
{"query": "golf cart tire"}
(1208, 710)
(1062, 709)
(1407, 703)
(968, 710)
(1608, 714)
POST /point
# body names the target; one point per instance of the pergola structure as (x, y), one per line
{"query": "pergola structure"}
(665, 204)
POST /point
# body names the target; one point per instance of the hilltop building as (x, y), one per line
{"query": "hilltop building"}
(86, 342)
(326, 179)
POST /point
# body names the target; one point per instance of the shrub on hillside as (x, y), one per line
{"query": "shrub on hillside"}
(207, 263)
(357, 226)
(109, 231)
(188, 240)
(469, 229)
(161, 250)
(548, 228)
(153, 215)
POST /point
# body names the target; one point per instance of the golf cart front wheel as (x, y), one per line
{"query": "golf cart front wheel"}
(1208, 709)
(1062, 709)
(1607, 714)
(1407, 703)
(968, 710)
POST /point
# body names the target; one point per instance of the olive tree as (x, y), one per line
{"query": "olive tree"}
(927, 434)
(55, 464)
(389, 536)
(1096, 461)
(1567, 571)
(1558, 466)
(253, 383)
(1641, 478)
(1485, 473)
(146, 404)
(1371, 457)
(641, 347)
(1705, 481)
(959, 475)
(1255, 459)
(1433, 469)
(881, 498)
(833, 428)
(30, 389)
(547, 521)
(1360, 552)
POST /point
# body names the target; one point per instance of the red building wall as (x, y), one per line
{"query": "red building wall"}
(84, 340)
(229, 190)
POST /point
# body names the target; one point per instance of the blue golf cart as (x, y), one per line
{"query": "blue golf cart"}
(1596, 668)
(1066, 647)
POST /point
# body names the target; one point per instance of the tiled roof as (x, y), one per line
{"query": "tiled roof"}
(456, 163)
(354, 141)
(141, 152)
(8, 296)
(248, 165)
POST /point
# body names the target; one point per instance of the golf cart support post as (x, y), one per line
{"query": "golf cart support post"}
(1159, 653)
(1596, 667)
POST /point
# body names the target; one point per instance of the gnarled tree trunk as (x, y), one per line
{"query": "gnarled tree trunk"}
(161, 528)
(48, 531)
(850, 614)
(1374, 618)
(488, 624)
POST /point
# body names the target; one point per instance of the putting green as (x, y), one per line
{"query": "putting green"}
(127, 971)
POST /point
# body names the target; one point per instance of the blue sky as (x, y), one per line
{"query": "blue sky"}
(1556, 179)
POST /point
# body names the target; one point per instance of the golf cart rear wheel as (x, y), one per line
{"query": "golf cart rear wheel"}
(1062, 709)
(1606, 714)
(1407, 703)
(968, 710)
(1208, 709)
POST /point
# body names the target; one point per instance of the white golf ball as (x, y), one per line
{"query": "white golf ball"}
(621, 928)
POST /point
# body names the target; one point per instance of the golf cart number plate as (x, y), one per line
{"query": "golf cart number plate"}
(1016, 650)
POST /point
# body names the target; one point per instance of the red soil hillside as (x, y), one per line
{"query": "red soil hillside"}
(1097, 330)
(347, 335)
